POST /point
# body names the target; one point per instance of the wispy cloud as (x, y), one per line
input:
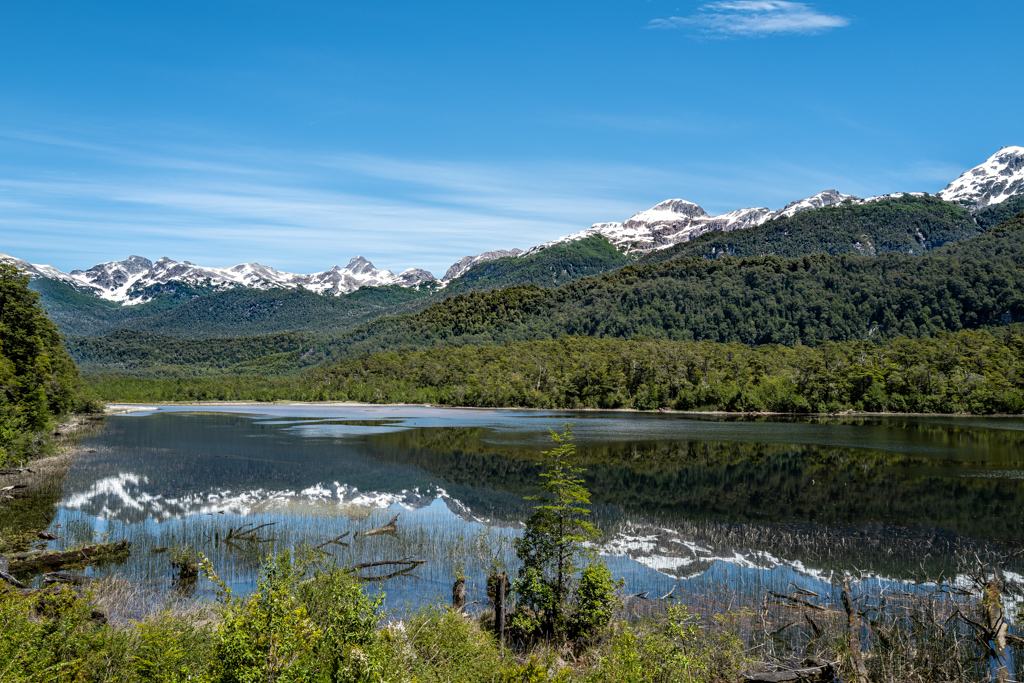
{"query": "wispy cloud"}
(748, 18)
(291, 210)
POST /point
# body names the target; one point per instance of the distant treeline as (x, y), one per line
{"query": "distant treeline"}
(975, 372)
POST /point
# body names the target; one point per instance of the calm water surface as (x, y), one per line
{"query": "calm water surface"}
(698, 504)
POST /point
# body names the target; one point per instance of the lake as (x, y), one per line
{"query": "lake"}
(700, 506)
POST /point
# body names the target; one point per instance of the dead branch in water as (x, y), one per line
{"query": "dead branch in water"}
(389, 528)
(244, 534)
(336, 541)
(860, 670)
(799, 601)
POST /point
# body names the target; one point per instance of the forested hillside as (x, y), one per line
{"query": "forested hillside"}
(76, 313)
(757, 300)
(908, 224)
(38, 379)
(181, 312)
(550, 267)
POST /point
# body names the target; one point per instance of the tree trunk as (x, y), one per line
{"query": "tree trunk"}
(459, 595)
(860, 670)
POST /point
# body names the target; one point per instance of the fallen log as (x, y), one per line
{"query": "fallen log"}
(815, 674)
(11, 580)
(384, 563)
(90, 554)
(810, 669)
(70, 579)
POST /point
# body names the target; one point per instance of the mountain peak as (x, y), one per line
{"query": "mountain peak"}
(995, 180)
(675, 206)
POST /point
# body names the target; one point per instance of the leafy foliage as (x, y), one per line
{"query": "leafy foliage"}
(128, 352)
(38, 379)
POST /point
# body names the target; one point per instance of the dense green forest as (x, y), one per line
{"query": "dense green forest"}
(968, 372)
(908, 224)
(38, 380)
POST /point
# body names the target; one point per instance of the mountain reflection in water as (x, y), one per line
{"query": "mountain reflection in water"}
(675, 496)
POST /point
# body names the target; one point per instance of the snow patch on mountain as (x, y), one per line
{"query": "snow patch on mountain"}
(1000, 177)
(459, 268)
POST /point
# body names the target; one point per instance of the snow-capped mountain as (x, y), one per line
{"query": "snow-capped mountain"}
(672, 221)
(467, 262)
(677, 220)
(126, 280)
(995, 181)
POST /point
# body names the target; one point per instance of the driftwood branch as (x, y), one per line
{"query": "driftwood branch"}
(384, 577)
(336, 540)
(389, 528)
(244, 534)
(798, 601)
(823, 673)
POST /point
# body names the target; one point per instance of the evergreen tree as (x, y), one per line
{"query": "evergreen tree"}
(552, 601)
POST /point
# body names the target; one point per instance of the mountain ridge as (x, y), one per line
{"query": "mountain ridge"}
(136, 279)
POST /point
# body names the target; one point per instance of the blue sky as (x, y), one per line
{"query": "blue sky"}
(300, 134)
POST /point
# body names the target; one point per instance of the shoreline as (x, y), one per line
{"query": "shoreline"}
(122, 408)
